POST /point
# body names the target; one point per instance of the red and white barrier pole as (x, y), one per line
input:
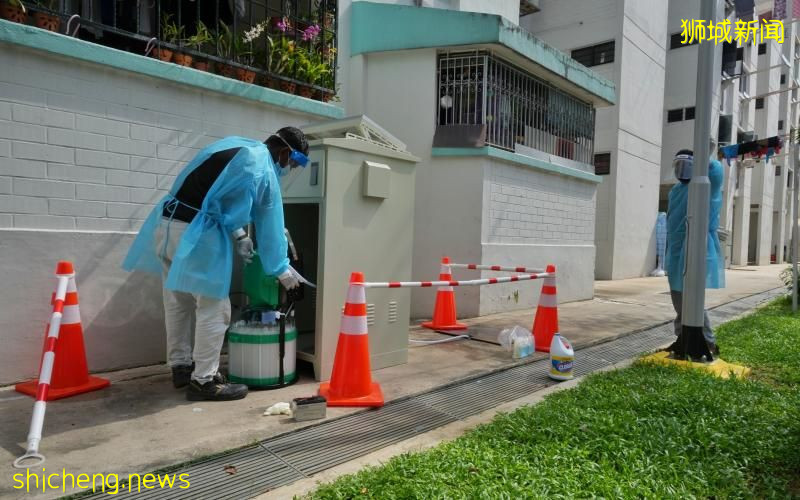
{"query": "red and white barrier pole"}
(486, 281)
(32, 457)
(481, 267)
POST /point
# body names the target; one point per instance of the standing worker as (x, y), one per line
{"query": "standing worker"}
(188, 239)
(676, 241)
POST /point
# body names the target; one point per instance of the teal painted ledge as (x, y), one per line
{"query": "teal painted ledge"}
(379, 27)
(517, 159)
(38, 39)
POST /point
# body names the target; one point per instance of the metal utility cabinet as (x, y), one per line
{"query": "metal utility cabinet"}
(352, 209)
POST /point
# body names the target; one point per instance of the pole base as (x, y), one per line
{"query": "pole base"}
(692, 344)
(718, 367)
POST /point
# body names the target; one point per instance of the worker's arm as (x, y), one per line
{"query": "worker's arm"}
(268, 219)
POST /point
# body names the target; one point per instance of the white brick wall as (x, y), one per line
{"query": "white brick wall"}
(94, 150)
(527, 206)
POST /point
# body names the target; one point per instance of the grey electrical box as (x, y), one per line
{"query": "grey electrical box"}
(352, 210)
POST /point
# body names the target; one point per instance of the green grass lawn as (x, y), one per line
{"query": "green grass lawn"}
(644, 431)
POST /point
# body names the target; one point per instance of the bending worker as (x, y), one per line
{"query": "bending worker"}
(188, 237)
(676, 241)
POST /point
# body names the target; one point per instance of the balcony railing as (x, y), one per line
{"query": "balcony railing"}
(283, 44)
(485, 100)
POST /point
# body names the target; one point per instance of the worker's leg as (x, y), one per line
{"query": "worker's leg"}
(677, 303)
(178, 306)
(213, 318)
(708, 333)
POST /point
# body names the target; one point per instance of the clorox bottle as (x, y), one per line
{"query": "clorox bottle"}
(562, 357)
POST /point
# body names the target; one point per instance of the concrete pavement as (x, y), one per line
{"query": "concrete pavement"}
(141, 423)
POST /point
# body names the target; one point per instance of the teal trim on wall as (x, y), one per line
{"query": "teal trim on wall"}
(38, 39)
(379, 27)
(517, 159)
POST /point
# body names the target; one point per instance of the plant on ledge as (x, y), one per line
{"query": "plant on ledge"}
(46, 20)
(13, 10)
(199, 42)
(170, 33)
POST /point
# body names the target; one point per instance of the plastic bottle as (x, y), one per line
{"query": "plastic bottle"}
(562, 357)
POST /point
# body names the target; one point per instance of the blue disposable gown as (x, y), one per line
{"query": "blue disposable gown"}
(247, 190)
(676, 233)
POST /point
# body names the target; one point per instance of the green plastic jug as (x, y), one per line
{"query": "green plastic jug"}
(262, 290)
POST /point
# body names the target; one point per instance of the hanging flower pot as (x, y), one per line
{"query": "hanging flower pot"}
(202, 65)
(323, 96)
(271, 83)
(13, 13)
(163, 54)
(47, 22)
(226, 70)
(304, 91)
(245, 75)
(182, 59)
(288, 87)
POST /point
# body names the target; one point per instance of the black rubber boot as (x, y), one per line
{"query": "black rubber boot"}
(181, 375)
(216, 389)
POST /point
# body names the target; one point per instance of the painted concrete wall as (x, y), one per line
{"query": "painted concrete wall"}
(535, 218)
(86, 151)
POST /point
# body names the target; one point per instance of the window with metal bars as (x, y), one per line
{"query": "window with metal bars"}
(503, 106)
(287, 45)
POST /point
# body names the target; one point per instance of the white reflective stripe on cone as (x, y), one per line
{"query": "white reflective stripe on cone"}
(445, 269)
(549, 282)
(47, 367)
(72, 315)
(71, 287)
(354, 325)
(547, 300)
(356, 295)
(445, 288)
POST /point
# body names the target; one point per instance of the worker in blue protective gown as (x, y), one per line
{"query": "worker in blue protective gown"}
(189, 237)
(676, 238)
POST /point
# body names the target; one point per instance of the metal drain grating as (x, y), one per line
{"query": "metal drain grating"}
(284, 459)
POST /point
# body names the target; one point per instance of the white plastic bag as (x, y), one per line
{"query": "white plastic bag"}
(517, 340)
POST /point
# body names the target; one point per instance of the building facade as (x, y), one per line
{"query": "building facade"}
(753, 98)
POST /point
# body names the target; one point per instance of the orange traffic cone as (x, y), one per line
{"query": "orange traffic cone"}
(351, 381)
(70, 372)
(444, 312)
(545, 325)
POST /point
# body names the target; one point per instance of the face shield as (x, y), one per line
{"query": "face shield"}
(682, 166)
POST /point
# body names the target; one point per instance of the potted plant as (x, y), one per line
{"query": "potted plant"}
(200, 41)
(46, 20)
(327, 80)
(169, 34)
(13, 10)
(225, 50)
(243, 54)
(310, 68)
(281, 61)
